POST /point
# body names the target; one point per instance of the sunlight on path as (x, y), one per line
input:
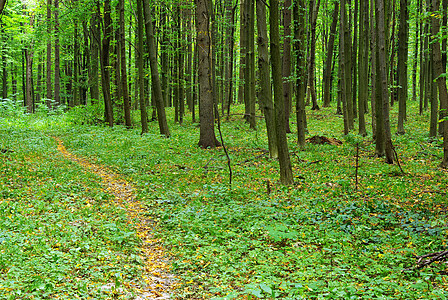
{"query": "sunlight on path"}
(158, 281)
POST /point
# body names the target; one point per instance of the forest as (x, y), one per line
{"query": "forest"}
(234, 149)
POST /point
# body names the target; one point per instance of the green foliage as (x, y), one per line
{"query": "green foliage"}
(317, 239)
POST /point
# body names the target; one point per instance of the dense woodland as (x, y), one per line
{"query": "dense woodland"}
(362, 58)
(348, 99)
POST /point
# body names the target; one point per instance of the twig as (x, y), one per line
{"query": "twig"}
(436, 256)
(357, 166)
(398, 161)
(206, 165)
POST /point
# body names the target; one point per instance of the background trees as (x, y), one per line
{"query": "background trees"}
(90, 54)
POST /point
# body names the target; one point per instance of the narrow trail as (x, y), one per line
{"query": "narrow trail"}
(158, 281)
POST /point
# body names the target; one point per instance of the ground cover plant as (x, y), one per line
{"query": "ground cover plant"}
(320, 238)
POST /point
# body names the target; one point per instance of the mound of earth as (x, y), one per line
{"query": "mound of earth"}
(322, 140)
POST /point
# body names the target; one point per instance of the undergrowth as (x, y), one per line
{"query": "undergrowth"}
(317, 239)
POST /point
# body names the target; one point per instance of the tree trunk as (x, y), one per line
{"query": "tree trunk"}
(141, 71)
(300, 50)
(382, 54)
(243, 51)
(4, 72)
(2, 5)
(286, 67)
(265, 79)
(57, 60)
(363, 56)
(329, 57)
(105, 65)
(207, 138)
(402, 65)
(155, 79)
(94, 52)
(279, 103)
(49, 89)
(343, 68)
(441, 81)
(229, 68)
(76, 85)
(124, 75)
(312, 48)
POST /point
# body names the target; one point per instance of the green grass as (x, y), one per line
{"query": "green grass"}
(319, 238)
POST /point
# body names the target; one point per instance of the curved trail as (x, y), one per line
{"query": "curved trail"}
(158, 281)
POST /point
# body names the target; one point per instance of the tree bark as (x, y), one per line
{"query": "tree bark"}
(329, 57)
(105, 65)
(300, 49)
(94, 61)
(312, 48)
(402, 65)
(265, 79)
(49, 89)
(123, 69)
(2, 5)
(286, 177)
(286, 67)
(382, 54)
(441, 81)
(155, 79)
(363, 56)
(57, 60)
(207, 138)
(141, 71)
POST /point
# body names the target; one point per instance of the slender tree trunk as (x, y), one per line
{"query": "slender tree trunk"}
(4, 71)
(76, 85)
(353, 58)
(141, 71)
(363, 56)
(265, 79)
(312, 68)
(49, 89)
(329, 57)
(251, 62)
(29, 75)
(155, 80)
(105, 65)
(342, 68)
(229, 69)
(94, 52)
(243, 51)
(57, 60)
(441, 81)
(279, 103)
(124, 75)
(286, 67)
(415, 62)
(402, 65)
(300, 50)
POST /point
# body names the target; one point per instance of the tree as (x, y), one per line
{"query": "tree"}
(2, 5)
(300, 49)
(314, 11)
(441, 81)
(403, 34)
(57, 63)
(329, 57)
(207, 138)
(363, 53)
(286, 66)
(105, 65)
(124, 74)
(279, 104)
(265, 79)
(155, 79)
(141, 75)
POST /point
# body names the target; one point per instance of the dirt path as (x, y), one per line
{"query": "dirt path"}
(158, 281)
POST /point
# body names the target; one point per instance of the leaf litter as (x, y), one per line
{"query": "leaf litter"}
(157, 282)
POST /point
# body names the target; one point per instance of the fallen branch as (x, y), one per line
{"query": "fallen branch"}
(422, 262)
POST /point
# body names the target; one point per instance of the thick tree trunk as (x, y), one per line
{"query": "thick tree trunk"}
(265, 79)
(382, 54)
(155, 79)
(329, 57)
(2, 5)
(282, 143)
(207, 138)
(441, 81)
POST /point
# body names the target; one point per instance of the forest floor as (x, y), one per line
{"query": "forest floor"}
(62, 234)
